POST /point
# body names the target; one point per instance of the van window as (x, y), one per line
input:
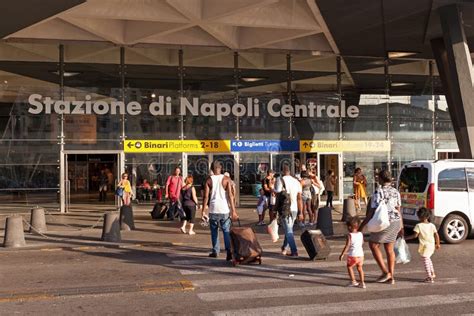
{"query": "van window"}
(413, 180)
(452, 180)
(470, 179)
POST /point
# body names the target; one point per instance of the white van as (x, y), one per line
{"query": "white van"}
(446, 187)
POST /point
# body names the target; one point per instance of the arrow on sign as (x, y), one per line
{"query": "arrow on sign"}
(130, 145)
(305, 145)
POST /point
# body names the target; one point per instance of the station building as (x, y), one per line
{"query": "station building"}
(146, 85)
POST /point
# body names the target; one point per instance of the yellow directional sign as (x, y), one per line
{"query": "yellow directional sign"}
(344, 145)
(176, 146)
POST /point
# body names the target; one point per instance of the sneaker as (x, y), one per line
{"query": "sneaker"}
(191, 232)
(292, 255)
(353, 284)
(213, 255)
(362, 286)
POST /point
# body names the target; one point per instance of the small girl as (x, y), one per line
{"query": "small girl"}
(261, 206)
(429, 241)
(355, 256)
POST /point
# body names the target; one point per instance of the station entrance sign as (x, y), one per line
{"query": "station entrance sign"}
(227, 146)
(321, 146)
(264, 145)
(173, 146)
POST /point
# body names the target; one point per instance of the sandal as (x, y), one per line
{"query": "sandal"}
(353, 284)
(183, 230)
(384, 278)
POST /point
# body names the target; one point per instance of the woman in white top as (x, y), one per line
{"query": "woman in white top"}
(355, 255)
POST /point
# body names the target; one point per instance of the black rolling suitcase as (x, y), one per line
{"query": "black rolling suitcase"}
(315, 244)
(159, 211)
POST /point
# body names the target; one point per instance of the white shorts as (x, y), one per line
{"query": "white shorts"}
(260, 210)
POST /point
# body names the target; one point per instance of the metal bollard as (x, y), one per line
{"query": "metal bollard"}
(38, 221)
(14, 235)
(126, 218)
(348, 209)
(111, 229)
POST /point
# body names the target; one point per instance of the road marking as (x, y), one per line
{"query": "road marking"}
(237, 278)
(355, 306)
(308, 290)
(285, 267)
(49, 294)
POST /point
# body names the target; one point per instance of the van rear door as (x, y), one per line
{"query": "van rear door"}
(412, 185)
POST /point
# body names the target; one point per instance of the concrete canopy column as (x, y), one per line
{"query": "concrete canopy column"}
(455, 68)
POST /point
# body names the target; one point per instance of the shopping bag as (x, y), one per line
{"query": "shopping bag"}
(272, 229)
(380, 220)
(119, 191)
(402, 252)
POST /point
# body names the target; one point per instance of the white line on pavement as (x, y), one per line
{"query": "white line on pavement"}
(237, 279)
(306, 291)
(355, 306)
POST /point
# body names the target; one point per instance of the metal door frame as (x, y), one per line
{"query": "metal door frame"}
(340, 173)
(65, 196)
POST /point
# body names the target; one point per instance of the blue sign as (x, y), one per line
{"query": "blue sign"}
(264, 145)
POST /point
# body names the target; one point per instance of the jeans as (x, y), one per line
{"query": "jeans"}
(289, 237)
(222, 220)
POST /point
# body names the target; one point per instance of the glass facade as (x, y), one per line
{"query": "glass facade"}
(415, 126)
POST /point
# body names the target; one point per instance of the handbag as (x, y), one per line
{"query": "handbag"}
(119, 191)
(272, 229)
(380, 220)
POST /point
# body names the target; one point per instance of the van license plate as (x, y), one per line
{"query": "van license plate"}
(409, 211)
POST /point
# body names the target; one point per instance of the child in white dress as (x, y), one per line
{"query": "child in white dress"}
(355, 252)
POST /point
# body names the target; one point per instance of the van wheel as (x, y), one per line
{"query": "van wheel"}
(454, 229)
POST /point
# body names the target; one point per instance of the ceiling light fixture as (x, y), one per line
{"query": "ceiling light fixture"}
(396, 54)
(153, 95)
(316, 53)
(252, 79)
(401, 84)
(234, 85)
(67, 73)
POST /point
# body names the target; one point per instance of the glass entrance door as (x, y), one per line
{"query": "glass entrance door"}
(91, 178)
(332, 161)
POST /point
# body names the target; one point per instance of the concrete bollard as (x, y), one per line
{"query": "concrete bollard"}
(348, 209)
(111, 229)
(126, 218)
(38, 221)
(14, 235)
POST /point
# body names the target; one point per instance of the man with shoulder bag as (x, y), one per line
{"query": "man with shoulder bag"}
(289, 206)
(174, 183)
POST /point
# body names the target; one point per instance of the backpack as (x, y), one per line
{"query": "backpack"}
(283, 202)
